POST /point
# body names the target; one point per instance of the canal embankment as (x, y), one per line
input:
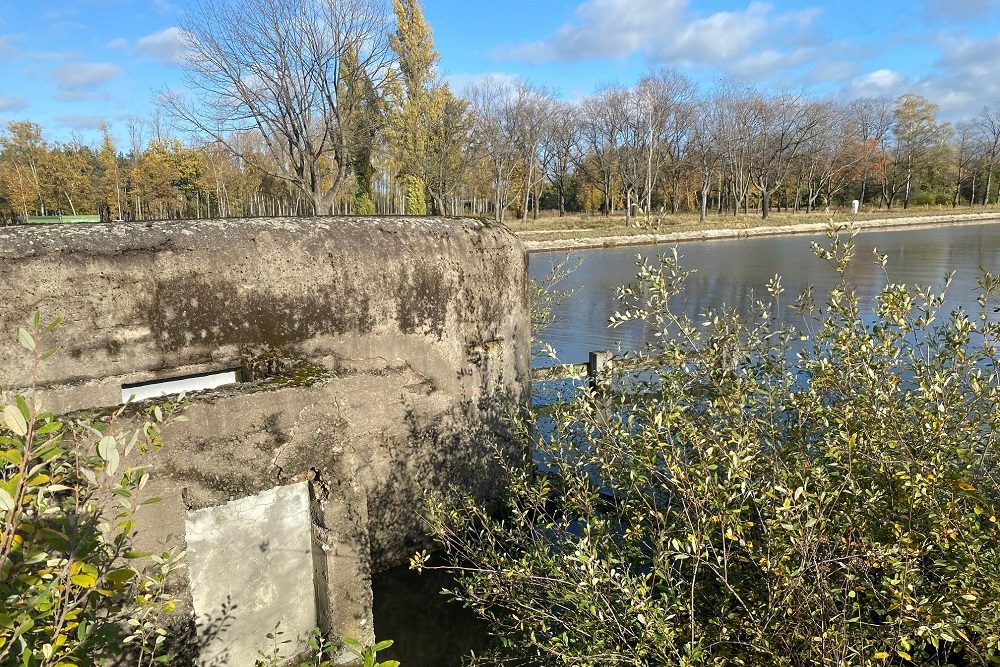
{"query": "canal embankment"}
(535, 244)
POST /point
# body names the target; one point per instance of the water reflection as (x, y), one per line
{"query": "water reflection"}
(731, 272)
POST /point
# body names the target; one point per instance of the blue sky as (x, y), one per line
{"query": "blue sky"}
(67, 64)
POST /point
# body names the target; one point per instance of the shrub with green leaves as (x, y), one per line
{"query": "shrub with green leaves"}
(323, 652)
(74, 591)
(764, 494)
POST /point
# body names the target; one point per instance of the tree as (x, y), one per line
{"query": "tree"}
(735, 120)
(669, 96)
(70, 167)
(25, 150)
(989, 128)
(873, 121)
(449, 149)
(780, 128)
(966, 152)
(420, 100)
(705, 150)
(563, 146)
(365, 114)
(635, 122)
(534, 110)
(497, 108)
(276, 68)
(602, 126)
(111, 182)
(18, 192)
(918, 136)
(760, 494)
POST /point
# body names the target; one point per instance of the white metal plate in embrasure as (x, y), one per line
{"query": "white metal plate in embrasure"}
(148, 390)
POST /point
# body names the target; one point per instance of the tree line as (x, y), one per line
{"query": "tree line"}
(302, 107)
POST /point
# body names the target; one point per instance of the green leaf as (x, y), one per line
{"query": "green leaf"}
(111, 465)
(122, 575)
(15, 421)
(49, 427)
(84, 580)
(11, 456)
(6, 501)
(106, 445)
(22, 405)
(26, 339)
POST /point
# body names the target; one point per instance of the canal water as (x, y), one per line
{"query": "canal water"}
(731, 272)
(408, 608)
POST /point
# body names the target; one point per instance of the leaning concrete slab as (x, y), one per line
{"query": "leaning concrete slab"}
(243, 557)
(376, 358)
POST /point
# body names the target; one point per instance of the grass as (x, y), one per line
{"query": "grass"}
(575, 226)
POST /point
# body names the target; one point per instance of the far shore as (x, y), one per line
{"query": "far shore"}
(535, 245)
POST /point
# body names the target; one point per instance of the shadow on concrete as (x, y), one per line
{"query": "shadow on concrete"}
(187, 643)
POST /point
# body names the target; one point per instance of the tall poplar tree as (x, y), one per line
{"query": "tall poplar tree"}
(418, 96)
(111, 181)
(365, 114)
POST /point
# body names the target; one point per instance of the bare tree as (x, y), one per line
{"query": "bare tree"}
(501, 111)
(705, 148)
(635, 120)
(872, 119)
(299, 73)
(671, 99)
(735, 119)
(967, 152)
(989, 130)
(781, 126)
(563, 146)
(534, 109)
(602, 128)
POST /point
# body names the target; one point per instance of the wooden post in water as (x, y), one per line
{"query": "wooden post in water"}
(597, 366)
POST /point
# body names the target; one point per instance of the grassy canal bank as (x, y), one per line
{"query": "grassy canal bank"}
(550, 234)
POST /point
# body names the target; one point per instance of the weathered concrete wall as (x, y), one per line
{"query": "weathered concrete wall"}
(398, 338)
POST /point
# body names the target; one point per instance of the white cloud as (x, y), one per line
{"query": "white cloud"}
(604, 29)
(117, 44)
(881, 79)
(961, 82)
(727, 36)
(964, 78)
(77, 77)
(80, 122)
(756, 41)
(13, 103)
(168, 45)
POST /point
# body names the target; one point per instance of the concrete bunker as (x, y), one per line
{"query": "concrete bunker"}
(375, 357)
